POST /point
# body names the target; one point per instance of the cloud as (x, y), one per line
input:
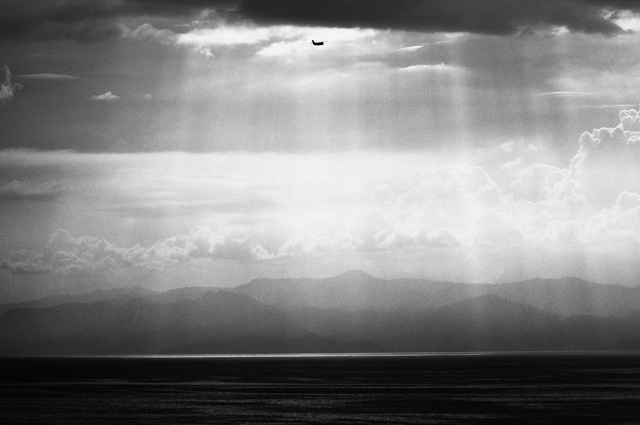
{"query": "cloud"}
(7, 88)
(46, 76)
(627, 20)
(147, 31)
(99, 19)
(202, 40)
(294, 42)
(568, 94)
(619, 224)
(411, 48)
(620, 106)
(590, 208)
(535, 181)
(447, 207)
(225, 35)
(273, 40)
(29, 191)
(507, 16)
(105, 97)
(501, 212)
(202, 242)
(154, 206)
(67, 254)
(25, 263)
(441, 67)
(608, 161)
(84, 21)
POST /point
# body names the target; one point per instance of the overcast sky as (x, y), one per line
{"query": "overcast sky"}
(169, 143)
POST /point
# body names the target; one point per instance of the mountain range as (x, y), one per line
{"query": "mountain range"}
(351, 312)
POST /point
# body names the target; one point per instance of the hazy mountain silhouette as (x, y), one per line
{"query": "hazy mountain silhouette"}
(486, 322)
(572, 296)
(346, 313)
(116, 295)
(357, 290)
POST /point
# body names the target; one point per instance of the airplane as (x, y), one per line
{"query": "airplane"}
(317, 43)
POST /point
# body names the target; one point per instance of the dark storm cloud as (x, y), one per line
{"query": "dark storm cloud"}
(478, 16)
(85, 20)
(616, 4)
(487, 16)
(92, 20)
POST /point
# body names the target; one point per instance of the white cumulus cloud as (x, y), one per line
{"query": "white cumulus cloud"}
(105, 97)
(608, 161)
(67, 254)
(7, 88)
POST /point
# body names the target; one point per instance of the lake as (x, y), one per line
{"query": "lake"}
(585, 388)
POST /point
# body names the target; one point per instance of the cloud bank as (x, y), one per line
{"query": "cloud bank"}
(94, 20)
(66, 254)
(499, 214)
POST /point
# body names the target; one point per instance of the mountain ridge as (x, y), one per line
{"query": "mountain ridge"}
(350, 311)
(565, 296)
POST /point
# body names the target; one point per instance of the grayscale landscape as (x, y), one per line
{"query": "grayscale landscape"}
(349, 313)
(319, 211)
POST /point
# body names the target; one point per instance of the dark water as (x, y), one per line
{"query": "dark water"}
(437, 389)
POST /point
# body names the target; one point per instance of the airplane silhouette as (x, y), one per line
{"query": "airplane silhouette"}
(317, 43)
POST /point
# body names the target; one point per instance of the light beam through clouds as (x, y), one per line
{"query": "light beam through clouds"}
(170, 142)
(498, 214)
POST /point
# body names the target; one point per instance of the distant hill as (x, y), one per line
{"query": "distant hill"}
(571, 296)
(115, 296)
(139, 325)
(357, 290)
(346, 313)
(483, 323)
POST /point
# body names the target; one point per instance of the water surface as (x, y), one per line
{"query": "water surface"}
(519, 388)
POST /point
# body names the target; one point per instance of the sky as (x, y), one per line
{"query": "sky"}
(186, 143)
